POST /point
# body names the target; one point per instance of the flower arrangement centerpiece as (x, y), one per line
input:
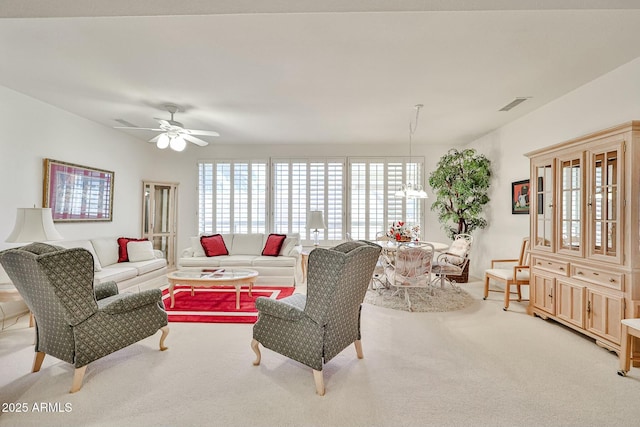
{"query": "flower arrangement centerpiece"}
(403, 232)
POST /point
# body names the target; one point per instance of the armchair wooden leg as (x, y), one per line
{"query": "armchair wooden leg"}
(358, 345)
(317, 376)
(256, 350)
(165, 332)
(37, 361)
(78, 375)
(519, 293)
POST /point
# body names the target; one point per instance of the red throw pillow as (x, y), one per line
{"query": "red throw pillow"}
(123, 256)
(273, 244)
(213, 245)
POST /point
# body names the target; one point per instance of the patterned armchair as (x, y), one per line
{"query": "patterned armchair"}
(314, 328)
(76, 322)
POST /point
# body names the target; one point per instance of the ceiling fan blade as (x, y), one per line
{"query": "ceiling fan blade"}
(163, 122)
(195, 140)
(201, 132)
(136, 128)
(156, 138)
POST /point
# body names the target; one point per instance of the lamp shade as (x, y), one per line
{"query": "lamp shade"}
(163, 141)
(315, 220)
(178, 143)
(33, 225)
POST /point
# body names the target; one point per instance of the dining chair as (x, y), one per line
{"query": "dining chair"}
(517, 276)
(411, 270)
(453, 261)
(379, 281)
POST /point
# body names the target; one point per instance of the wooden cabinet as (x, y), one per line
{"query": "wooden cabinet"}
(543, 289)
(571, 305)
(585, 228)
(604, 312)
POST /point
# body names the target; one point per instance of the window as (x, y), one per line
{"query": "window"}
(373, 204)
(232, 197)
(301, 186)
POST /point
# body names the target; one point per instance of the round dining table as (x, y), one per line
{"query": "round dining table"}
(392, 245)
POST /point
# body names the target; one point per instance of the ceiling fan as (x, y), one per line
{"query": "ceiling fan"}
(174, 134)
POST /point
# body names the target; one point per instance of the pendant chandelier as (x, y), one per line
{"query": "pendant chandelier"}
(412, 190)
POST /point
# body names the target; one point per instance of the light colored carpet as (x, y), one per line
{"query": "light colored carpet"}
(422, 299)
(479, 366)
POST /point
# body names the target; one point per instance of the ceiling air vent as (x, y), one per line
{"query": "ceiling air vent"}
(519, 100)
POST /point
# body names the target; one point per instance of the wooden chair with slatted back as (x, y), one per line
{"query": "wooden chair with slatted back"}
(516, 276)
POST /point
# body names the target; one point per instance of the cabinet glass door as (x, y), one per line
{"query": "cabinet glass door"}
(159, 217)
(604, 204)
(570, 238)
(542, 206)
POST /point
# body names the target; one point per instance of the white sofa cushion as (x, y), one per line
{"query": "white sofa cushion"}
(116, 272)
(237, 260)
(269, 261)
(197, 246)
(147, 266)
(107, 250)
(246, 244)
(140, 251)
(84, 244)
(201, 261)
(289, 244)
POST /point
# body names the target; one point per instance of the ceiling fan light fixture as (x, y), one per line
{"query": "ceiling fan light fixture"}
(178, 143)
(163, 141)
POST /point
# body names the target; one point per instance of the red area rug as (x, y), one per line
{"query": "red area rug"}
(218, 304)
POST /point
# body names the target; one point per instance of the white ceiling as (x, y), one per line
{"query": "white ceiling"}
(312, 72)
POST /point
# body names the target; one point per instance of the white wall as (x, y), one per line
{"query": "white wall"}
(32, 131)
(607, 101)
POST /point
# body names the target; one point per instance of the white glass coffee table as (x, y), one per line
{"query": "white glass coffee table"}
(208, 277)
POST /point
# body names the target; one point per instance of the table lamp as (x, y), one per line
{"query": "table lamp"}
(33, 225)
(316, 222)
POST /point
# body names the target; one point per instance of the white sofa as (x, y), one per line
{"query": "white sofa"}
(245, 250)
(129, 276)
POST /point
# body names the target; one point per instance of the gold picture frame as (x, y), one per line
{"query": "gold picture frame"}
(77, 193)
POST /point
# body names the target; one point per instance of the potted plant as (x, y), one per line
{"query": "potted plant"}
(461, 185)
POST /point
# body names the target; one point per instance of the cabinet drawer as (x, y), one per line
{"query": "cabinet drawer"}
(553, 266)
(598, 277)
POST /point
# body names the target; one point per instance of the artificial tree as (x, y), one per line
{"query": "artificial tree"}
(461, 183)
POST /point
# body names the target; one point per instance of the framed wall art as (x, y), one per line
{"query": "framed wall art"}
(520, 197)
(77, 193)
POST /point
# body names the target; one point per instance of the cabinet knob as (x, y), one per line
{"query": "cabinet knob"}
(596, 273)
(579, 272)
(612, 280)
(561, 268)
